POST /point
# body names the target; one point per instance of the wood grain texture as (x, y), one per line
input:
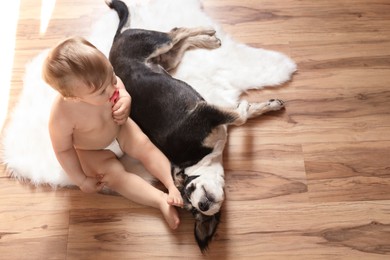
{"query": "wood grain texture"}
(308, 182)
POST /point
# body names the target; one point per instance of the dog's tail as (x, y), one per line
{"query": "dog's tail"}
(123, 13)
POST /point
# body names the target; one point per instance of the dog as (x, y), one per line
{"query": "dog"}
(188, 130)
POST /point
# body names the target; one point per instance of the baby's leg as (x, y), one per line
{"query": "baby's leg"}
(137, 145)
(127, 184)
(140, 191)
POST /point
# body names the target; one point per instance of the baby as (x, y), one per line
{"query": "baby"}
(90, 129)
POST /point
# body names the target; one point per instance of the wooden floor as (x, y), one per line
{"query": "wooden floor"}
(311, 182)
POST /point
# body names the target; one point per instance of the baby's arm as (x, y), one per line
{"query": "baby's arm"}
(121, 109)
(61, 137)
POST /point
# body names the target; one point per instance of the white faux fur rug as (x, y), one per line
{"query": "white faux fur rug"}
(220, 76)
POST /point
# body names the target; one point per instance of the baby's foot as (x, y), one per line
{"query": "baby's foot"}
(170, 213)
(174, 197)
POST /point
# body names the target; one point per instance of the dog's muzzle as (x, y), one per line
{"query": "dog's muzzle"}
(204, 205)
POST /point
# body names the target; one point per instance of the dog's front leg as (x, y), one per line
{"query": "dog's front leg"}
(247, 110)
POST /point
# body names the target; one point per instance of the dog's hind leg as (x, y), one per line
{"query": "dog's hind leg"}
(170, 60)
(173, 37)
(178, 34)
(182, 39)
(246, 110)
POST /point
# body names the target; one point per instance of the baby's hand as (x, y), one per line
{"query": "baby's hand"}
(121, 109)
(91, 185)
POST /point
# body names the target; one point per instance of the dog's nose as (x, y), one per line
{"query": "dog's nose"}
(204, 206)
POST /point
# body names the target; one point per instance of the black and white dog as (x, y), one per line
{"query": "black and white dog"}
(187, 129)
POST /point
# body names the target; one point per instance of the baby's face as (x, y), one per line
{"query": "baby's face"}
(106, 94)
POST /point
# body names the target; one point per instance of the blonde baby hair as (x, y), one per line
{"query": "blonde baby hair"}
(74, 61)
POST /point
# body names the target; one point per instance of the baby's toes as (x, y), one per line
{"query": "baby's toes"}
(177, 202)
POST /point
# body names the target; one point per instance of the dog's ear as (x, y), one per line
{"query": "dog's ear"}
(205, 228)
(188, 179)
(178, 176)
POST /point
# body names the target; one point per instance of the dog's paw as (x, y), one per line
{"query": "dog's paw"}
(205, 41)
(275, 104)
(208, 31)
(214, 42)
(256, 109)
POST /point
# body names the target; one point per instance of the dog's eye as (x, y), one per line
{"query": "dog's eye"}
(190, 189)
(208, 196)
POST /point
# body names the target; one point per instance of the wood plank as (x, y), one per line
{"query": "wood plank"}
(251, 171)
(124, 233)
(33, 234)
(356, 171)
(292, 229)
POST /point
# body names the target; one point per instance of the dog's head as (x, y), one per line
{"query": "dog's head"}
(203, 195)
(204, 192)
